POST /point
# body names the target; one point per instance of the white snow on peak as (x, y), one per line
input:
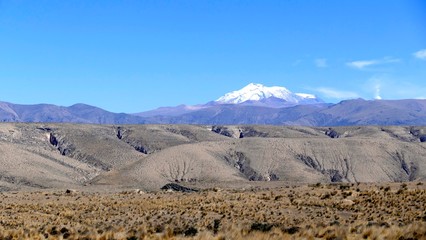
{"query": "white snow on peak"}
(306, 95)
(257, 92)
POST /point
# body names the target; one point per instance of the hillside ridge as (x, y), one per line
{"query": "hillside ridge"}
(41, 155)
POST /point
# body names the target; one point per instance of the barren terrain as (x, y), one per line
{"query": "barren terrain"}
(328, 211)
(242, 182)
(102, 157)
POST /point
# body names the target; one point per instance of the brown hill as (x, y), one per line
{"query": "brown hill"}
(34, 156)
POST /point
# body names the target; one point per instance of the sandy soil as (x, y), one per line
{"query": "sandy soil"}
(336, 211)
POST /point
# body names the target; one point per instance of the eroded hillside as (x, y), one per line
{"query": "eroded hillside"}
(37, 156)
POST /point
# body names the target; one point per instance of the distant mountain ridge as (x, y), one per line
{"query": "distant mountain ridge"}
(254, 104)
(77, 113)
(345, 113)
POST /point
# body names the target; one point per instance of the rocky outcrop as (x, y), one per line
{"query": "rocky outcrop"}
(332, 133)
(408, 168)
(226, 131)
(333, 174)
(177, 188)
(68, 149)
(240, 161)
(419, 133)
(248, 131)
(238, 132)
(137, 145)
(64, 148)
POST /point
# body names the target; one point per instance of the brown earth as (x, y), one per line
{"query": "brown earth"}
(105, 157)
(325, 211)
(254, 182)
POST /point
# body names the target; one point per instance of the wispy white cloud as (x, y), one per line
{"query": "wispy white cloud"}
(362, 64)
(321, 62)
(420, 54)
(336, 94)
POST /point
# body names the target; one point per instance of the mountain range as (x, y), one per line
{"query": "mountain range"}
(253, 104)
(229, 142)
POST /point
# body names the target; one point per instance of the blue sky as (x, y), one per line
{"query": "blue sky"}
(132, 56)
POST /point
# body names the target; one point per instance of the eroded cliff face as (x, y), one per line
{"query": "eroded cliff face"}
(150, 156)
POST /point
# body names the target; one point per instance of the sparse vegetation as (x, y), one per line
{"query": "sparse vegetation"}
(268, 165)
(329, 212)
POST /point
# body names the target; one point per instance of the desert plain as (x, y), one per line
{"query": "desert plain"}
(76, 181)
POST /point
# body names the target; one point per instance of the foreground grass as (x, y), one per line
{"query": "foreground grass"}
(341, 211)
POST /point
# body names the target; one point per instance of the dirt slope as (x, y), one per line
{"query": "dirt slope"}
(34, 156)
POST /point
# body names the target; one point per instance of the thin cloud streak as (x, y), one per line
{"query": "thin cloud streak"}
(362, 64)
(420, 54)
(336, 94)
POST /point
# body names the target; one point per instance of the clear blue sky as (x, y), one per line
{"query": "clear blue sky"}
(132, 56)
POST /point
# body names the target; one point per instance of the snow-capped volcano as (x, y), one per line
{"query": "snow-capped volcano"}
(258, 93)
(253, 94)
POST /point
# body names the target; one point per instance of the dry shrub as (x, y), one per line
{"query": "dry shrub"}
(328, 212)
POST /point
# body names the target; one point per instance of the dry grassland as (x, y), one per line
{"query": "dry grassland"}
(337, 211)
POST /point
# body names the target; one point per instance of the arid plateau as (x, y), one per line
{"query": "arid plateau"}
(75, 181)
